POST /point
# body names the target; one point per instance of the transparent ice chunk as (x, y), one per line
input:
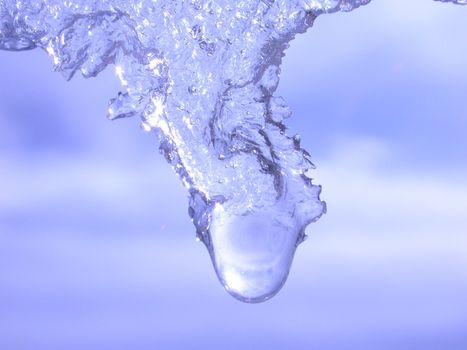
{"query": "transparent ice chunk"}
(201, 75)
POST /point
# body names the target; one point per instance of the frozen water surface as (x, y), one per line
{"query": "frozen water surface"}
(201, 75)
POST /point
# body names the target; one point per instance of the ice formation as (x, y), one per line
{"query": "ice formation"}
(201, 74)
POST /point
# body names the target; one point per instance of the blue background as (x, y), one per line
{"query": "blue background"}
(97, 250)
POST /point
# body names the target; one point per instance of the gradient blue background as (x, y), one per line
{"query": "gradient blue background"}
(97, 250)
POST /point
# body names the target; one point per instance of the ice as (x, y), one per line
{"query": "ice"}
(201, 75)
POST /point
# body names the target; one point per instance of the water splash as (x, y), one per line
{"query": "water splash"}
(201, 75)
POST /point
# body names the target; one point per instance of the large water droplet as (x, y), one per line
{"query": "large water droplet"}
(252, 252)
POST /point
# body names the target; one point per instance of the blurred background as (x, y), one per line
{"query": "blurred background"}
(97, 250)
